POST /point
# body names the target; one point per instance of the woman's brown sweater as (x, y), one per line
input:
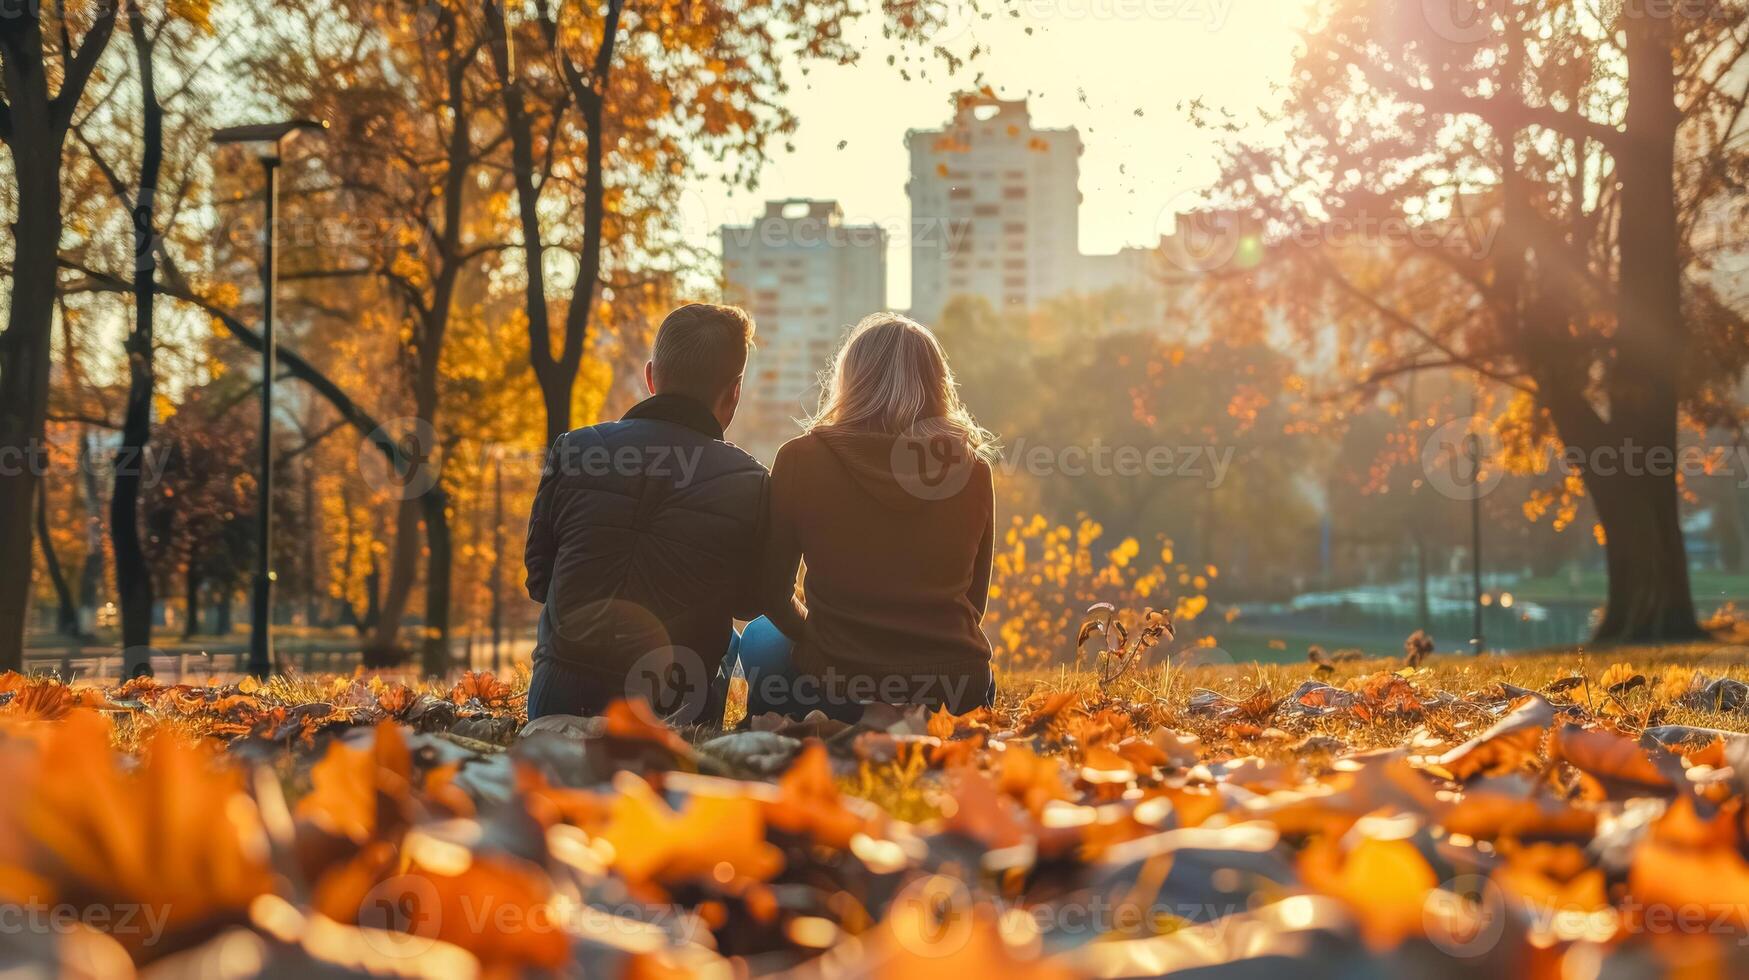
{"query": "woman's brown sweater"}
(897, 540)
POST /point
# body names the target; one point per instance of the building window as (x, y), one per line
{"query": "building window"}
(1014, 193)
(959, 194)
(1014, 228)
(985, 211)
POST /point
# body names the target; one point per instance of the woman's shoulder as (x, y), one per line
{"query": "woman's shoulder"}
(984, 475)
(808, 444)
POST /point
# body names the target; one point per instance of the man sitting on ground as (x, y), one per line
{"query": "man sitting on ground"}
(644, 540)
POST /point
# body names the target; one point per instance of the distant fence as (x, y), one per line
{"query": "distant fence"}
(177, 664)
(1506, 629)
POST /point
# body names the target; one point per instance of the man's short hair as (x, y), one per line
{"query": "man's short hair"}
(701, 350)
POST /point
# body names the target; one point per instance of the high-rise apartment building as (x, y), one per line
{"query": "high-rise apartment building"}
(994, 207)
(806, 277)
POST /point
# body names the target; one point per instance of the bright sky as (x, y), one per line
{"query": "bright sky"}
(1091, 64)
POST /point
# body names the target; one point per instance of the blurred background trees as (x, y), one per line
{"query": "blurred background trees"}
(494, 205)
(1535, 197)
(1532, 213)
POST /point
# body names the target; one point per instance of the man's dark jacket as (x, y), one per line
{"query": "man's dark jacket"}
(645, 535)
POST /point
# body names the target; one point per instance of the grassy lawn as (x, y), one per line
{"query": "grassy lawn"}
(1470, 679)
(1710, 588)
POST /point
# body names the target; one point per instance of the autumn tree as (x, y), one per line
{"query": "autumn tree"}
(199, 512)
(148, 33)
(401, 85)
(48, 53)
(1146, 428)
(1519, 192)
(609, 111)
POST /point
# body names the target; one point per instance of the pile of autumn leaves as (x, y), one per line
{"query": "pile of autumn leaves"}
(370, 828)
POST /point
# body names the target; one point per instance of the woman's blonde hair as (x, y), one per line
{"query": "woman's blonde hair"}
(891, 376)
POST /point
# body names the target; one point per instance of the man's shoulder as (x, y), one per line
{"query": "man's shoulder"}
(718, 456)
(587, 435)
(734, 457)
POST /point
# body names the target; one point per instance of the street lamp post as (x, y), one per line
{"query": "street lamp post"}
(497, 558)
(268, 141)
(1478, 642)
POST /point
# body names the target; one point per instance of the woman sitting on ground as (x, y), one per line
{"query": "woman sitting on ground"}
(888, 499)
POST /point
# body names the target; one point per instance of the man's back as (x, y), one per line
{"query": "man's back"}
(644, 536)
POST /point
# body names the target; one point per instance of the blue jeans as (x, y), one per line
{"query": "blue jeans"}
(767, 659)
(559, 688)
(763, 652)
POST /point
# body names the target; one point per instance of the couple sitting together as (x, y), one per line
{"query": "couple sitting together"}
(651, 536)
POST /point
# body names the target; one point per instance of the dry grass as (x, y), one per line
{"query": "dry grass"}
(1169, 688)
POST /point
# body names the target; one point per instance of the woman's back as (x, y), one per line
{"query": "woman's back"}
(897, 536)
(889, 499)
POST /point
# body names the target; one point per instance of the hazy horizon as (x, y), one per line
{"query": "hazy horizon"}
(1143, 158)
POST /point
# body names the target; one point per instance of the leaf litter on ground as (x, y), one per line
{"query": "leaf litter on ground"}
(1434, 817)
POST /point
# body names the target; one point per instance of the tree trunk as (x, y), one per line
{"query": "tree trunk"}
(558, 375)
(1649, 593)
(191, 597)
(91, 574)
(24, 366)
(434, 504)
(435, 655)
(133, 574)
(556, 396)
(555, 384)
(1740, 516)
(311, 612)
(373, 610)
(1721, 496)
(35, 129)
(66, 614)
(384, 649)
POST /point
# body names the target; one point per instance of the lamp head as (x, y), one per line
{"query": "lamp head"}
(268, 140)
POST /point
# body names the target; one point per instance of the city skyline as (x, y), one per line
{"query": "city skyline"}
(805, 274)
(1144, 160)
